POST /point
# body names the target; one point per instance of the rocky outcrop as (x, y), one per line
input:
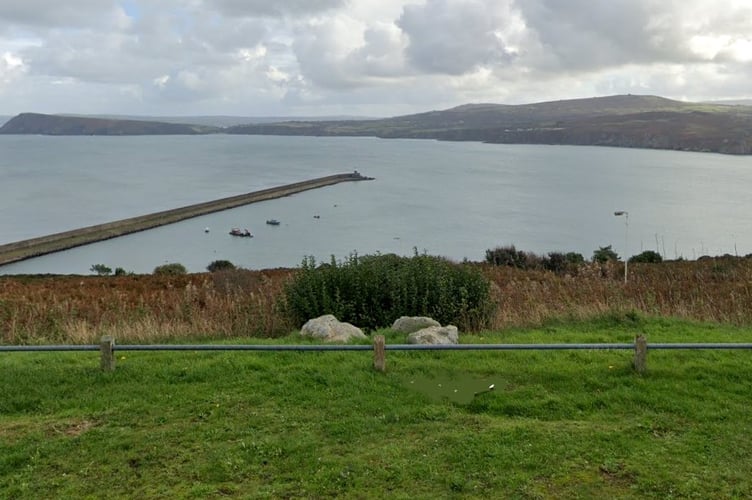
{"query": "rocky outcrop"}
(330, 329)
(435, 335)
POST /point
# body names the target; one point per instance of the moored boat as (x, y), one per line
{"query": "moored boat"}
(236, 231)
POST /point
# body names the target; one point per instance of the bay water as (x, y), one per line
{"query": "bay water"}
(455, 199)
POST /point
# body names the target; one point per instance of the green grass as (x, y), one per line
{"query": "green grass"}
(324, 424)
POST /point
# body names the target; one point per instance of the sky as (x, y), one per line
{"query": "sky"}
(362, 57)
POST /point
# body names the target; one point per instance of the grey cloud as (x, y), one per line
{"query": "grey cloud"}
(327, 61)
(152, 46)
(50, 13)
(231, 35)
(380, 55)
(701, 82)
(336, 56)
(258, 8)
(377, 101)
(315, 49)
(99, 57)
(455, 37)
(580, 35)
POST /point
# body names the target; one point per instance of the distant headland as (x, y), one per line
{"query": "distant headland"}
(620, 121)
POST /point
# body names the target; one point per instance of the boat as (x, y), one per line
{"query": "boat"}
(236, 231)
(273, 222)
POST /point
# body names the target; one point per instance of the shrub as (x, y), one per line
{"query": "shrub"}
(604, 254)
(575, 258)
(119, 271)
(560, 263)
(372, 291)
(172, 269)
(100, 269)
(507, 256)
(220, 265)
(648, 256)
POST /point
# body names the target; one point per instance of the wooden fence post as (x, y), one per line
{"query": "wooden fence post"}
(106, 349)
(640, 353)
(379, 353)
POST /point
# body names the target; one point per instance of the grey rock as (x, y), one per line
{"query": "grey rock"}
(410, 324)
(330, 329)
(435, 335)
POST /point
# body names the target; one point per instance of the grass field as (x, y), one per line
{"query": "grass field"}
(561, 424)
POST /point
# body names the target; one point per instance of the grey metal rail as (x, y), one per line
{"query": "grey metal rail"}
(368, 347)
(33, 348)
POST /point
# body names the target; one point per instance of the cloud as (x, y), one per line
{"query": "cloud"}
(257, 8)
(45, 13)
(580, 35)
(11, 67)
(375, 58)
(342, 53)
(456, 37)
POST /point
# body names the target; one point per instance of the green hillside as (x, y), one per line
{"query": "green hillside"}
(35, 123)
(620, 121)
(623, 121)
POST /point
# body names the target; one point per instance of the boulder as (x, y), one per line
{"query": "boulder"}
(435, 335)
(330, 329)
(410, 324)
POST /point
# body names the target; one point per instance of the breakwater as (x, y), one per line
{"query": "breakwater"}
(34, 247)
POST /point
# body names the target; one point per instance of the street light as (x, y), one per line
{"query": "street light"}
(619, 213)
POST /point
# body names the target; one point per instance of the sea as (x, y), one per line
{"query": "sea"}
(450, 199)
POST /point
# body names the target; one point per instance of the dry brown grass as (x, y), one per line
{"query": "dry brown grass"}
(144, 308)
(718, 289)
(241, 303)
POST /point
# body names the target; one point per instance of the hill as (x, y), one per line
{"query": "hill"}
(620, 121)
(35, 123)
(623, 121)
(215, 120)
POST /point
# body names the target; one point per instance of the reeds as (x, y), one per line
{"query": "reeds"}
(242, 303)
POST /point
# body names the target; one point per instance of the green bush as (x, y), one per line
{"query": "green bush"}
(561, 263)
(100, 269)
(648, 256)
(605, 254)
(173, 269)
(220, 265)
(372, 291)
(507, 256)
(557, 262)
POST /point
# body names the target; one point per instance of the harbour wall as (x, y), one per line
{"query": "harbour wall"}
(34, 247)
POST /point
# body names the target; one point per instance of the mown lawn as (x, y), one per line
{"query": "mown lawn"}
(559, 424)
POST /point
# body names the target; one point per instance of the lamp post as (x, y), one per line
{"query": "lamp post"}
(619, 213)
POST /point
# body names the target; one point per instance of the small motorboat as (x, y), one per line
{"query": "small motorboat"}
(236, 231)
(273, 222)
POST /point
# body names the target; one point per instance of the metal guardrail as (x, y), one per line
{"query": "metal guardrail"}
(368, 347)
(108, 348)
